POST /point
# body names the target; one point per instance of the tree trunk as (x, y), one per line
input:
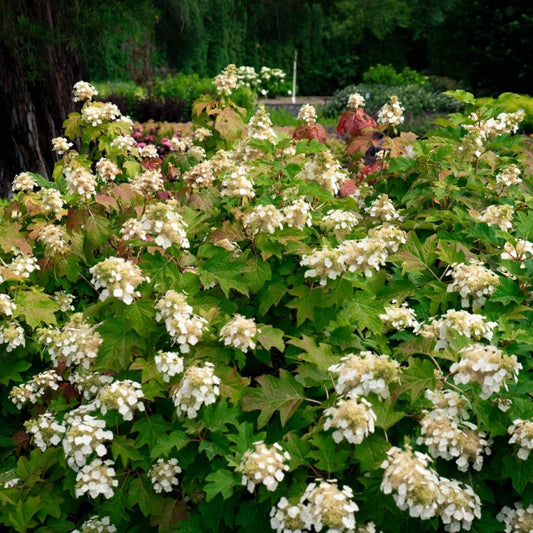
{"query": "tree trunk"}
(34, 104)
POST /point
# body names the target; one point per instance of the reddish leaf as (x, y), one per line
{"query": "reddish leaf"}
(355, 122)
(307, 131)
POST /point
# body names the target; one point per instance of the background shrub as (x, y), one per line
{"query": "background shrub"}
(387, 75)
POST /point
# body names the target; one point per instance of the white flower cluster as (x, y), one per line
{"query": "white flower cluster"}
(7, 305)
(90, 383)
(240, 332)
(95, 478)
(366, 255)
(383, 209)
(52, 203)
(125, 144)
(481, 130)
(12, 334)
(201, 134)
(76, 344)
(84, 437)
(148, 182)
(449, 402)
(260, 126)
(327, 506)
(369, 527)
(509, 176)
(133, 229)
(486, 365)
(93, 114)
(390, 235)
(324, 264)
(453, 323)
(287, 518)
(171, 304)
(226, 81)
(264, 464)
(355, 100)
(307, 113)
(125, 396)
(341, 222)
(418, 488)
(520, 251)
(399, 317)
(366, 373)
(34, 389)
(323, 505)
(236, 184)
(472, 281)
(54, 239)
(391, 114)
(451, 438)
(64, 300)
(45, 430)
(107, 170)
(61, 145)
(163, 475)
(148, 151)
(23, 265)
(96, 524)
(200, 176)
(263, 219)
(80, 181)
(185, 328)
(83, 90)
(517, 520)
(498, 215)
(169, 364)
(521, 432)
(199, 386)
(119, 279)
(297, 214)
(325, 170)
(352, 419)
(23, 182)
(163, 221)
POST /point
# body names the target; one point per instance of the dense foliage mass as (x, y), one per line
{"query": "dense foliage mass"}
(242, 334)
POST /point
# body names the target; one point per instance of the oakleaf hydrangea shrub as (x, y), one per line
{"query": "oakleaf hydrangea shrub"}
(242, 334)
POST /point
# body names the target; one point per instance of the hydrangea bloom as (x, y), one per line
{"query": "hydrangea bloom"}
(96, 524)
(521, 432)
(264, 465)
(352, 419)
(240, 332)
(96, 478)
(77, 343)
(125, 396)
(324, 264)
(163, 475)
(366, 373)
(472, 281)
(119, 279)
(199, 386)
(486, 365)
(517, 520)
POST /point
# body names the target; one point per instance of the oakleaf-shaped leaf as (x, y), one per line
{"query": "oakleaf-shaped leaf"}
(270, 337)
(221, 481)
(229, 124)
(36, 307)
(283, 394)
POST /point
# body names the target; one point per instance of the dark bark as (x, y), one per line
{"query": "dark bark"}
(34, 104)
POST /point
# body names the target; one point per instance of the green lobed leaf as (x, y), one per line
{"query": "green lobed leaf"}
(222, 482)
(283, 394)
(36, 307)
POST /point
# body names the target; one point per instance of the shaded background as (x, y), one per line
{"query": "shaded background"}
(47, 45)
